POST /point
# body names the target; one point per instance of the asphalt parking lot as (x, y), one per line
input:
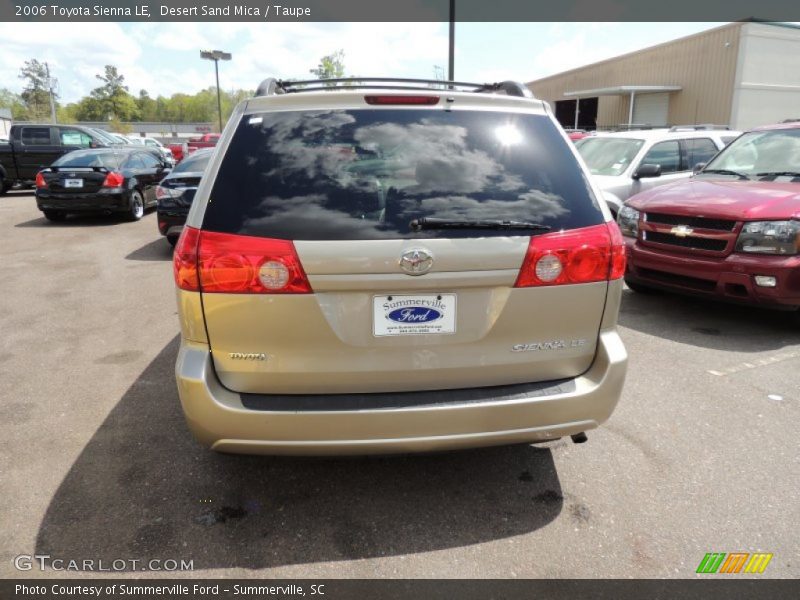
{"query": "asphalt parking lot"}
(702, 454)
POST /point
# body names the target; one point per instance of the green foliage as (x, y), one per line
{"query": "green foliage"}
(113, 99)
(10, 100)
(35, 95)
(330, 66)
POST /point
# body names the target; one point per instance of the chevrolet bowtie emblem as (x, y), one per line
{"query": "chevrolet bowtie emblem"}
(681, 231)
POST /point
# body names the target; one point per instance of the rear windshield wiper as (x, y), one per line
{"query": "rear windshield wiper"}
(434, 223)
(779, 174)
(726, 172)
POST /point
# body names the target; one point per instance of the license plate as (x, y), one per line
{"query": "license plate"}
(413, 315)
(73, 183)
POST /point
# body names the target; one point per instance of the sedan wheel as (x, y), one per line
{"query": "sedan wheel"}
(136, 210)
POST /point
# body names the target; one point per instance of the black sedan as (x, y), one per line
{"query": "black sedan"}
(118, 180)
(176, 192)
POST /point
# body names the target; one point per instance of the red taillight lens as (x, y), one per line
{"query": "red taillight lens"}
(184, 260)
(400, 99)
(618, 251)
(577, 256)
(114, 180)
(40, 182)
(237, 264)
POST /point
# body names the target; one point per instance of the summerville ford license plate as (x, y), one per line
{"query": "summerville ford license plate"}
(413, 315)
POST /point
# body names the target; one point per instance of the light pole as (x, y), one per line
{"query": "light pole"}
(216, 56)
(451, 62)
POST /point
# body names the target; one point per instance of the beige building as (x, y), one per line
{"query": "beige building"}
(742, 74)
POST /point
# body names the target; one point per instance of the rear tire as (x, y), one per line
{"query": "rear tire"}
(3, 186)
(136, 208)
(54, 215)
(638, 287)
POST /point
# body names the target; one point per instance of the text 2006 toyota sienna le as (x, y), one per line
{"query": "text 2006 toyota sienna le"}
(384, 269)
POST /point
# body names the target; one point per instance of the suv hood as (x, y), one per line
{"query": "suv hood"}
(736, 200)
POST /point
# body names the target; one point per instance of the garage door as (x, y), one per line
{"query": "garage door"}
(651, 109)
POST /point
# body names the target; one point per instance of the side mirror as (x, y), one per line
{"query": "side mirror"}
(647, 170)
(698, 167)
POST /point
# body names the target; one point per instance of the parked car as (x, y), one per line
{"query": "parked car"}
(153, 144)
(576, 134)
(628, 162)
(34, 147)
(108, 180)
(176, 192)
(732, 232)
(178, 151)
(109, 138)
(207, 140)
(376, 270)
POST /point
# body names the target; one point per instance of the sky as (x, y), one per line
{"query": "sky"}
(164, 58)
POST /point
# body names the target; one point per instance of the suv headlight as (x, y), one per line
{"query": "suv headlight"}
(769, 237)
(628, 221)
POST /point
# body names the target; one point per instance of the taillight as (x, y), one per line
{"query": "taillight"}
(40, 182)
(237, 264)
(618, 251)
(114, 180)
(401, 99)
(184, 260)
(595, 253)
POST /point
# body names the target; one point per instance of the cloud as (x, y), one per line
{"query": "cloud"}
(163, 58)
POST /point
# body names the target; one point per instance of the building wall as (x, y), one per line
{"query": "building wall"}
(767, 86)
(704, 65)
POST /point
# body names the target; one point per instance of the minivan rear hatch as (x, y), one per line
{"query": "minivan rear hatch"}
(405, 230)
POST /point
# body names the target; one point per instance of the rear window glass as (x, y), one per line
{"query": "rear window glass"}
(366, 174)
(90, 159)
(193, 164)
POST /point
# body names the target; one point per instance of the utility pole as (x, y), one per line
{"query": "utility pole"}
(452, 55)
(50, 83)
(216, 56)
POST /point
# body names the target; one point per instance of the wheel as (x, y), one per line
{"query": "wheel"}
(54, 215)
(638, 287)
(3, 186)
(136, 210)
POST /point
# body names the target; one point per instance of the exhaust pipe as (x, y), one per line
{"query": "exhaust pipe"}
(579, 438)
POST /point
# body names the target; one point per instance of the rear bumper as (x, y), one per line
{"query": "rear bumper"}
(730, 278)
(219, 419)
(116, 201)
(171, 222)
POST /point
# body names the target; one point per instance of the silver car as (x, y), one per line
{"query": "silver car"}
(626, 163)
(372, 269)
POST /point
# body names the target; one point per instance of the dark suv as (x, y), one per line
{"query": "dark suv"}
(731, 232)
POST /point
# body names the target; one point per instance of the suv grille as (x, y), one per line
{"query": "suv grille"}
(699, 222)
(686, 242)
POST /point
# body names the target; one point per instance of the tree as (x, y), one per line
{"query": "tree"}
(15, 104)
(113, 97)
(330, 66)
(36, 93)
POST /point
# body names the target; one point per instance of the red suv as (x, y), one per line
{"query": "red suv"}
(731, 232)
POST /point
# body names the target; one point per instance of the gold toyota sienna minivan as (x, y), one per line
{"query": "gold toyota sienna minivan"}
(391, 266)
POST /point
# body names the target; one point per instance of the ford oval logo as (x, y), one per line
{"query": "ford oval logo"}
(414, 314)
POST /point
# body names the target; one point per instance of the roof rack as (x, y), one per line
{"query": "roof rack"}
(272, 86)
(703, 127)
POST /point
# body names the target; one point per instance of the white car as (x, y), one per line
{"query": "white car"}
(626, 163)
(153, 144)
